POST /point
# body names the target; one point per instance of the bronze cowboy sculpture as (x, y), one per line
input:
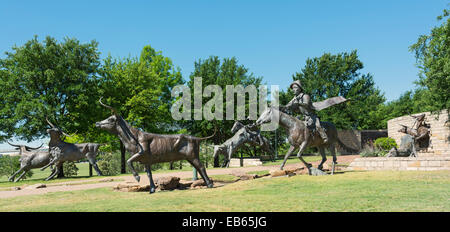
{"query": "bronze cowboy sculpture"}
(302, 134)
(301, 103)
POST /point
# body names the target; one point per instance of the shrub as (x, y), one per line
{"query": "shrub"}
(385, 143)
(11, 164)
(70, 169)
(370, 150)
(109, 163)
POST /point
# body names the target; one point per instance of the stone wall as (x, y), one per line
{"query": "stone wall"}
(358, 139)
(401, 163)
(440, 132)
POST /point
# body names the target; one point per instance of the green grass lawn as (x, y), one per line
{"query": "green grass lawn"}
(350, 191)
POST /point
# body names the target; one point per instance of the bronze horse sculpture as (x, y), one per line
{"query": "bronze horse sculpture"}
(296, 136)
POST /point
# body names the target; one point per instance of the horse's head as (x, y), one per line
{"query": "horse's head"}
(265, 117)
(236, 126)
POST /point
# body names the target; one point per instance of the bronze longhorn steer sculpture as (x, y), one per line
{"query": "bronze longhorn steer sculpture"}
(30, 158)
(242, 134)
(149, 148)
(69, 151)
(296, 136)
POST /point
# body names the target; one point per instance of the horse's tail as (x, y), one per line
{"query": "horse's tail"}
(352, 150)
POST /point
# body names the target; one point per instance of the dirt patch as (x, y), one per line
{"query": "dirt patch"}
(88, 184)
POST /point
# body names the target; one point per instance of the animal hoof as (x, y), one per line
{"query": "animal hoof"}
(152, 190)
(138, 178)
(210, 185)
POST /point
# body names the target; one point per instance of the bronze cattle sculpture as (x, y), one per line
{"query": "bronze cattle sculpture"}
(150, 148)
(69, 151)
(30, 158)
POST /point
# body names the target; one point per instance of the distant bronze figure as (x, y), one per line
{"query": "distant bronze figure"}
(420, 131)
(242, 134)
(407, 148)
(149, 148)
(30, 158)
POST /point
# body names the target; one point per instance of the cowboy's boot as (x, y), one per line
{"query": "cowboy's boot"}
(322, 134)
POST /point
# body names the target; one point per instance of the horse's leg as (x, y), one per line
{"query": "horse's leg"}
(300, 151)
(324, 157)
(148, 169)
(201, 169)
(333, 153)
(291, 149)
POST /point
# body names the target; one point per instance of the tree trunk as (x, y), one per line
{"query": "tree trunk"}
(61, 173)
(122, 159)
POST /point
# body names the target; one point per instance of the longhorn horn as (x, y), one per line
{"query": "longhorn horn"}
(109, 107)
(49, 123)
(32, 148)
(13, 144)
(53, 126)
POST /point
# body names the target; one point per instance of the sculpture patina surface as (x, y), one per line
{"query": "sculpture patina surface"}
(298, 136)
(69, 151)
(242, 134)
(301, 104)
(149, 148)
(309, 132)
(30, 158)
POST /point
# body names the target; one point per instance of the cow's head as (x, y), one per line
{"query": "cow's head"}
(110, 124)
(55, 132)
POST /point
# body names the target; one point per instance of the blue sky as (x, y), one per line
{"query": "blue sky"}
(271, 38)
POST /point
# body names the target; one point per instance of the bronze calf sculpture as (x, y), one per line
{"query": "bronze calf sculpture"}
(29, 159)
(69, 151)
(150, 148)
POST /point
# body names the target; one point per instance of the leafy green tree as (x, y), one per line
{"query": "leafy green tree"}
(213, 71)
(410, 102)
(433, 59)
(339, 75)
(140, 89)
(49, 78)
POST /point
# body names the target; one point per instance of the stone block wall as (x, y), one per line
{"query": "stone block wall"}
(440, 132)
(401, 163)
(357, 139)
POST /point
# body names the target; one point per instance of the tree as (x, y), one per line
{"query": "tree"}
(53, 79)
(338, 75)
(140, 88)
(433, 59)
(214, 71)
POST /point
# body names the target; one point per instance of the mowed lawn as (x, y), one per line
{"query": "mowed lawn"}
(349, 191)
